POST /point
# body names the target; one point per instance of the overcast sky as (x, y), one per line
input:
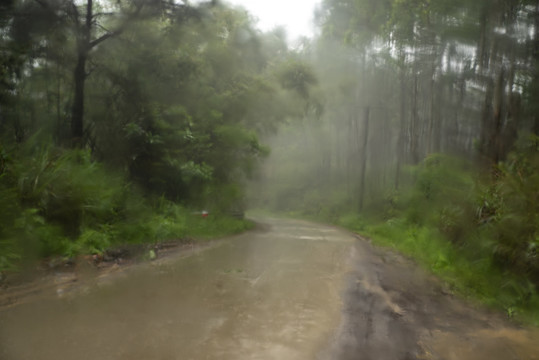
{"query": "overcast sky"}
(295, 15)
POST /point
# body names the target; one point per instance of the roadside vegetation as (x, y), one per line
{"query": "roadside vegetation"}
(122, 121)
(428, 141)
(59, 202)
(479, 235)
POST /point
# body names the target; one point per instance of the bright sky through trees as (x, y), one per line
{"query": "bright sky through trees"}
(296, 16)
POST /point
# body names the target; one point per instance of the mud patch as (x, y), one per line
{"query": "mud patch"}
(394, 310)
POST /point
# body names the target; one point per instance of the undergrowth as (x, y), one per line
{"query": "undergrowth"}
(55, 202)
(480, 234)
(475, 277)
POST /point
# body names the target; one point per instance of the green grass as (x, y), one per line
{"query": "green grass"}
(217, 225)
(177, 223)
(55, 202)
(476, 279)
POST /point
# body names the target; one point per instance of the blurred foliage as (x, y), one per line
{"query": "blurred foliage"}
(427, 141)
(176, 97)
(477, 230)
(60, 202)
(479, 234)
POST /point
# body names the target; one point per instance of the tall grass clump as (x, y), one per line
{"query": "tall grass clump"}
(68, 200)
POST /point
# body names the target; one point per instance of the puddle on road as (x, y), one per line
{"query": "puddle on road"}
(257, 296)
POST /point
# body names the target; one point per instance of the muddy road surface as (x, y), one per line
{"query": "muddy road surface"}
(288, 290)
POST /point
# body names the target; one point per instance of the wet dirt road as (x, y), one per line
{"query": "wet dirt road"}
(289, 290)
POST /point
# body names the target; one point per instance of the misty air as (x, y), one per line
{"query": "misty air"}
(260, 180)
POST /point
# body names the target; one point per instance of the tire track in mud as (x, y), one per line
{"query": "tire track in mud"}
(393, 310)
(371, 327)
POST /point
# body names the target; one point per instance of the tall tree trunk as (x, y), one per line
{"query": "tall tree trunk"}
(431, 145)
(79, 76)
(59, 117)
(414, 151)
(402, 131)
(364, 157)
(481, 49)
(498, 118)
(437, 118)
(510, 132)
(77, 113)
(350, 154)
(535, 61)
(486, 116)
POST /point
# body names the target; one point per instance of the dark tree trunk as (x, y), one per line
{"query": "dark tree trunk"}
(79, 75)
(536, 67)
(496, 151)
(77, 113)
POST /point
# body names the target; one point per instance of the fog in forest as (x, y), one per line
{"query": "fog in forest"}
(126, 125)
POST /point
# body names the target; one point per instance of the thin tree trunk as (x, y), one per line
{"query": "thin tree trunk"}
(535, 60)
(496, 149)
(430, 132)
(364, 157)
(414, 122)
(59, 117)
(400, 141)
(349, 155)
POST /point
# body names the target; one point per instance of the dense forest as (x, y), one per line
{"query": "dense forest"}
(121, 120)
(415, 122)
(428, 138)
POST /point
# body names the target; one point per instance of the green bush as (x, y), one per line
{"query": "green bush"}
(352, 221)
(57, 202)
(69, 189)
(514, 210)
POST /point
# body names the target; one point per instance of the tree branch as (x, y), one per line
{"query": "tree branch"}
(42, 3)
(101, 27)
(104, 37)
(96, 15)
(117, 32)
